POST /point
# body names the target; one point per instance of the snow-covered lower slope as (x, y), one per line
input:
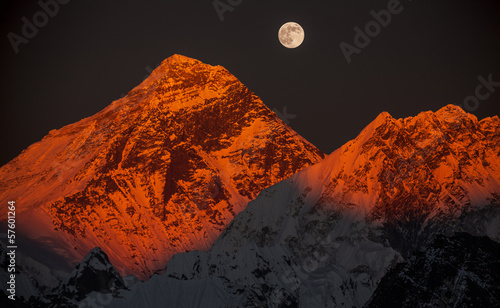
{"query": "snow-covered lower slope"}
(31, 278)
(326, 236)
(162, 291)
(93, 279)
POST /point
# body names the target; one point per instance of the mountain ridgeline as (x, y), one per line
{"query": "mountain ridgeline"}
(161, 171)
(190, 176)
(329, 234)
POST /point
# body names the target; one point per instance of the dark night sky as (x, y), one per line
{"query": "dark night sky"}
(91, 52)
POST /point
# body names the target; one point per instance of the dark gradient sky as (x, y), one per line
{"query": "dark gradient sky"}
(91, 52)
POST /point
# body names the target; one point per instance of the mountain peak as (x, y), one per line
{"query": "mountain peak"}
(448, 117)
(160, 171)
(452, 109)
(382, 118)
(179, 71)
(95, 260)
(178, 59)
(453, 113)
(94, 274)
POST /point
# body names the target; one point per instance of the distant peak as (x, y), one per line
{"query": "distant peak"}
(177, 58)
(171, 66)
(449, 110)
(453, 113)
(175, 61)
(96, 253)
(382, 118)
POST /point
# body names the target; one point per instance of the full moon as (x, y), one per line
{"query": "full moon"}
(291, 35)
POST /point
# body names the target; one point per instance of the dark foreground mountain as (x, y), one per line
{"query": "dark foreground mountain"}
(94, 277)
(160, 171)
(457, 271)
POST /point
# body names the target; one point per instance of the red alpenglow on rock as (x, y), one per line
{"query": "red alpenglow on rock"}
(327, 235)
(160, 171)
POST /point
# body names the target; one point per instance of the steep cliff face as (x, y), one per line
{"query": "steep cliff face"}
(421, 175)
(160, 171)
(326, 236)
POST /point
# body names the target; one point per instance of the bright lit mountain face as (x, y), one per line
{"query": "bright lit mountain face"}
(167, 169)
(326, 236)
(160, 171)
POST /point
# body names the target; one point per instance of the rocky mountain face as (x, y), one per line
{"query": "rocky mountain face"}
(94, 274)
(457, 271)
(160, 171)
(93, 283)
(326, 236)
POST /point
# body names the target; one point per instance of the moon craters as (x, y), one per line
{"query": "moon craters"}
(291, 35)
